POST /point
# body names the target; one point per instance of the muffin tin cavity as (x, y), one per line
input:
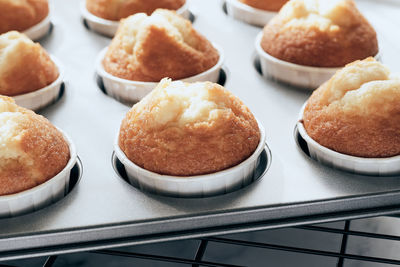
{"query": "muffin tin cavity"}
(263, 164)
(223, 76)
(191, 17)
(10, 205)
(75, 177)
(224, 8)
(301, 143)
(257, 64)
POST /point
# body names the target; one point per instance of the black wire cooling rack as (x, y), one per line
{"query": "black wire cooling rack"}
(344, 233)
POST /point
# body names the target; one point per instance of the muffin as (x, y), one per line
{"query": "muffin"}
(357, 111)
(24, 65)
(319, 34)
(32, 149)
(269, 5)
(21, 15)
(116, 10)
(149, 48)
(186, 129)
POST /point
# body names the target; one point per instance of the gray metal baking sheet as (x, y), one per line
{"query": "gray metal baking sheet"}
(104, 209)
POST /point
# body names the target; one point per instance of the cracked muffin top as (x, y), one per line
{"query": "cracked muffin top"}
(319, 33)
(186, 129)
(32, 150)
(357, 111)
(149, 48)
(24, 65)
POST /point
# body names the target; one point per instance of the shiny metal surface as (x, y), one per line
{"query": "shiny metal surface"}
(104, 211)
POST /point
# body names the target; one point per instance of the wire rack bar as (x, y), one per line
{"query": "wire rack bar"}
(302, 250)
(161, 258)
(200, 252)
(50, 261)
(343, 244)
(349, 232)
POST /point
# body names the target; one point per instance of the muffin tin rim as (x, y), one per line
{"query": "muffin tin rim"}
(252, 202)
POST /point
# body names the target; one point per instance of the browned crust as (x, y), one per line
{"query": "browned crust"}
(270, 5)
(159, 56)
(313, 47)
(42, 143)
(373, 136)
(115, 11)
(21, 17)
(195, 148)
(33, 70)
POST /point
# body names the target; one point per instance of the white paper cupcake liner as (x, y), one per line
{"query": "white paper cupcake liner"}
(39, 30)
(109, 27)
(358, 165)
(43, 97)
(221, 182)
(248, 14)
(301, 76)
(133, 91)
(42, 195)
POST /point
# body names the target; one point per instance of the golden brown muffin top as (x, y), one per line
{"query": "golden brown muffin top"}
(19, 15)
(117, 9)
(357, 111)
(24, 65)
(188, 129)
(32, 150)
(149, 48)
(320, 33)
(270, 5)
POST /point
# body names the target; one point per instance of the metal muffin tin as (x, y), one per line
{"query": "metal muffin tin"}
(105, 211)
